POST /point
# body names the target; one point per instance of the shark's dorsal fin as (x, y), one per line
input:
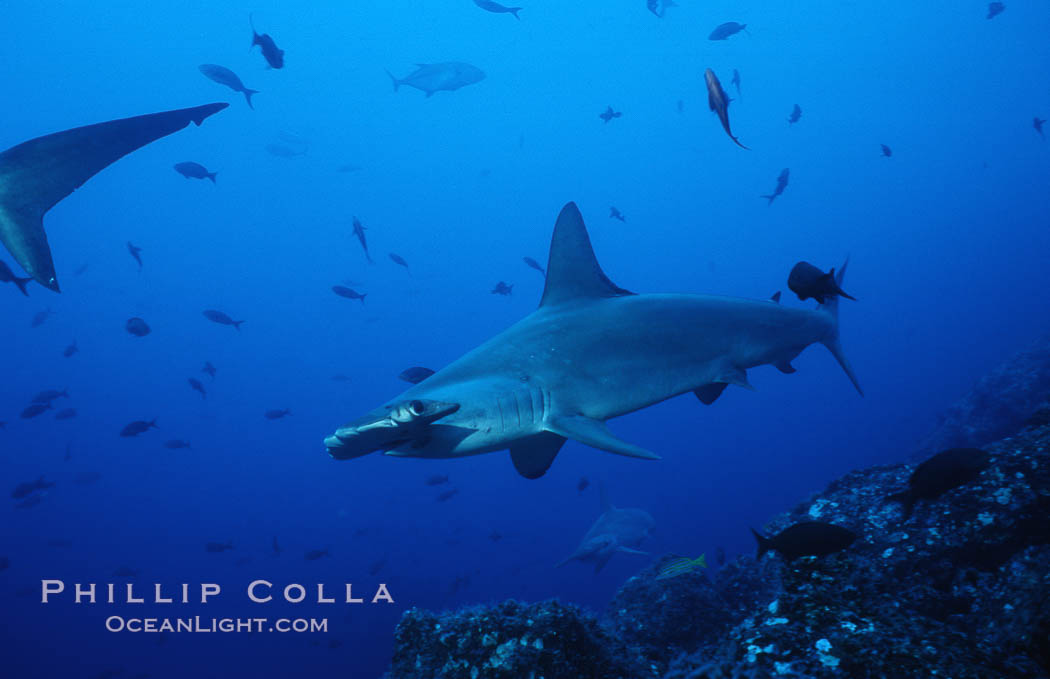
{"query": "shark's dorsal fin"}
(573, 273)
(36, 174)
(533, 456)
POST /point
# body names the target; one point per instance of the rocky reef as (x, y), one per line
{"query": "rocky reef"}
(960, 588)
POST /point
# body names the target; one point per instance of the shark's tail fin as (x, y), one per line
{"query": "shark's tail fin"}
(397, 83)
(831, 305)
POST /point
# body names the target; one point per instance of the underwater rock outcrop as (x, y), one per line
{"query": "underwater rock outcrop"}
(960, 588)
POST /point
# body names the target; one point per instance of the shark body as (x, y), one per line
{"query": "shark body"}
(616, 530)
(591, 352)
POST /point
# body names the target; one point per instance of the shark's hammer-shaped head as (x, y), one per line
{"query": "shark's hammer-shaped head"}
(390, 427)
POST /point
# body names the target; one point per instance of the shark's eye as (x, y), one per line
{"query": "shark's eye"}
(416, 407)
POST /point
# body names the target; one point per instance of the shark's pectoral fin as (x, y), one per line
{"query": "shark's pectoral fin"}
(736, 377)
(532, 456)
(710, 392)
(596, 434)
(785, 367)
(632, 551)
(602, 559)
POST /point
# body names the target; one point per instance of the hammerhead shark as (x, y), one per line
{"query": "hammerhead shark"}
(37, 174)
(592, 351)
(616, 530)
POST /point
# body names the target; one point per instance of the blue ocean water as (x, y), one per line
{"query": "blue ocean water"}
(948, 240)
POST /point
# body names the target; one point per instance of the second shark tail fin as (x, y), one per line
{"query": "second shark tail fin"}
(831, 305)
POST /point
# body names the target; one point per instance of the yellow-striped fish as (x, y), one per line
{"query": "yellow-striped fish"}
(679, 565)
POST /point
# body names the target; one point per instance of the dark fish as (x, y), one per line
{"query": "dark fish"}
(29, 502)
(720, 556)
(447, 495)
(8, 276)
(614, 213)
(533, 264)
(887, 152)
(81, 269)
(496, 8)
(437, 479)
(273, 55)
(242, 561)
(502, 289)
(225, 76)
(582, 484)
(1037, 123)
(221, 318)
(276, 547)
(134, 252)
(495, 536)
(608, 114)
(196, 385)
(359, 231)
(218, 547)
(809, 538)
(66, 414)
(377, 566)
(680, 565)
(796, 113)
(658, 8)
(718, 101)
(315, 554)
(995, 9)
(415, 374)
(137, 327)
(27, 488)
(39, 318)
(348, 293)
(807, 281)
(282, 151)
(49, 395)
(137, 427)
(86, 478)
(939, 474)
(398, 259)
(276, 414)
(723, 31)
(192, 170)
(3, 425)
(782, 182)
(176, 444)
(71, 349)
(209, 368)
(35, 410)
(735, 82)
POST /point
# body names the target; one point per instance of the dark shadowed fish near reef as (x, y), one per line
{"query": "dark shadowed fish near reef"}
(35, 410)
(533, 264)
(939, 474)
(66, 414)
(138, 427)
(348, 293)
(398, 259)
(40, 317)
(782, 182)
(137, 327)
(659, 7)
(359, 231)
(37, 174)
(608, 114)
(887, 152)
(1037, 123)
(134, 252)
(446, 76)
(177, 444)
(502, 289)
(221, 318)
(273, 55)
(49, 395)
(496, 8)
(192, 170)
(718, 101)
(277, 414)
(680, 565)
(616, 214)
(615, 530)
(218, 547)
(995, 9)
(723, 31)
(8, 276)
(315, 554)
(209, 368)
(807, 281)
(613, 360)
(196, 385)
(27, 488)
(415, 374)
(796, 114)
(447, 495)
(71, 349)
(437, 479)
(225, 76)
(735, 82)
(809, 538)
